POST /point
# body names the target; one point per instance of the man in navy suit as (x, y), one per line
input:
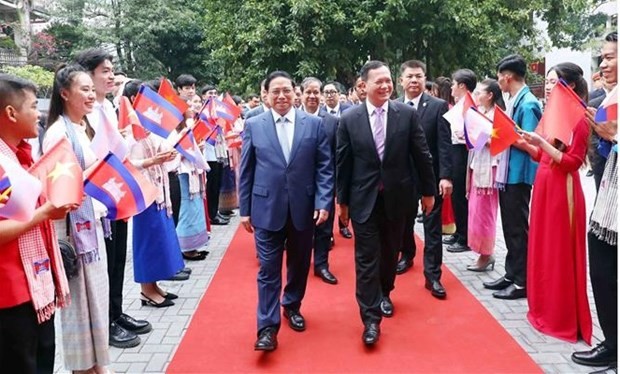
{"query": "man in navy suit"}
(286, 187)
(310, 99)
(381, 147)
(430, 111)
(264, 107)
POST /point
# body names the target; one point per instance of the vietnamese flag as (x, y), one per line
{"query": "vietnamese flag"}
(61, 174)
(167, 92)
(120, 187)
(19, 191)
(127, 117)
(156, 114)
(205, 131)
(564, 110)
(503, 134)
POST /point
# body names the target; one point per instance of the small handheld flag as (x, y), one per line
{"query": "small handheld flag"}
(156, 114)
(503, 134)
(60, 172)
(120, 187)
(18, 191)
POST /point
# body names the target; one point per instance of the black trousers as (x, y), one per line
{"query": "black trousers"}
(175, 196)
(25, 345)
(604, 277)
(116, 248)
(376, 255)
(459, 201)
(433, 248)
(322, 241)
(408, 248)
(514, 203)
(214, 184)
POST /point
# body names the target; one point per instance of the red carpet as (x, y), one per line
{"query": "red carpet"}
(425, 335)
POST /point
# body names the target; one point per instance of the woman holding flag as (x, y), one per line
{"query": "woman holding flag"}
(556, 263)
(482, 195)
(85, 322)
(156, 252)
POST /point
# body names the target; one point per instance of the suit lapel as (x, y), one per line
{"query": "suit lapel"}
(300, 120)
(422, 104)
(365, 130)
(392, 126)
(269, 128)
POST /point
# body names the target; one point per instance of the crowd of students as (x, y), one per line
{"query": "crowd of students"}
(545, 239)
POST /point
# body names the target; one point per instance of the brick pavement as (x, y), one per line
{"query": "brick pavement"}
(169, 324)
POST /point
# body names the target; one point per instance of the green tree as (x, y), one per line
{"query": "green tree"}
(44, 79)
(332, 39)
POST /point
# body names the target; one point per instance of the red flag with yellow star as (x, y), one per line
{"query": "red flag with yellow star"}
(167, 92)
(503, 134)
(61, 175)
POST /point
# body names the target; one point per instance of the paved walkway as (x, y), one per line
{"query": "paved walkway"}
(169, 324)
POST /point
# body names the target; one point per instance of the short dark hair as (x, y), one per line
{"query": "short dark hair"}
(153, 84)
(278, 74)
(428, 85)
(251, 97)
(513, 63)
(132, 87)
(467, 77)
(92, 57)
(333, 83)
(12, 90)
(237, 99)
(185, 80)
(412, 64)
(612, 37)
(371, 65)
(206, 88)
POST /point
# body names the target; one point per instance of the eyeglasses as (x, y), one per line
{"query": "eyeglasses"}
(330, 92)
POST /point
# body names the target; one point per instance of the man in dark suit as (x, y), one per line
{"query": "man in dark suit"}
(603, 256)
(286, 184)
(264, 107)
(333, 105)
(380, 148)
(430, 112)
(310, 99)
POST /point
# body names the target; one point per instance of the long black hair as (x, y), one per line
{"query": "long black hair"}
(494, 89)
(572, 74)
(63, 79)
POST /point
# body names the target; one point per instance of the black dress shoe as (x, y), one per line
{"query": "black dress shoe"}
(510, 293)
(187, 270)
(345, 232)
(222, 217)
(219, 221)
(613, 369)
(371, 334)
(387, 308)
(228, 213)
(450, 239)
(295, 320)
(326, 275)
(436, 289)
(458, 248)
(597, 356)
(121, 338)
(180, 276)
(131, 324)
(193, 256)
(403, 265)
(498, 284)
(267, 340)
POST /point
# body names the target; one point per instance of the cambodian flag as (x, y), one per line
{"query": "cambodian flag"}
(156, 114)
(120, 187)
(188, 148)
(608, 111)
(19, 191)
